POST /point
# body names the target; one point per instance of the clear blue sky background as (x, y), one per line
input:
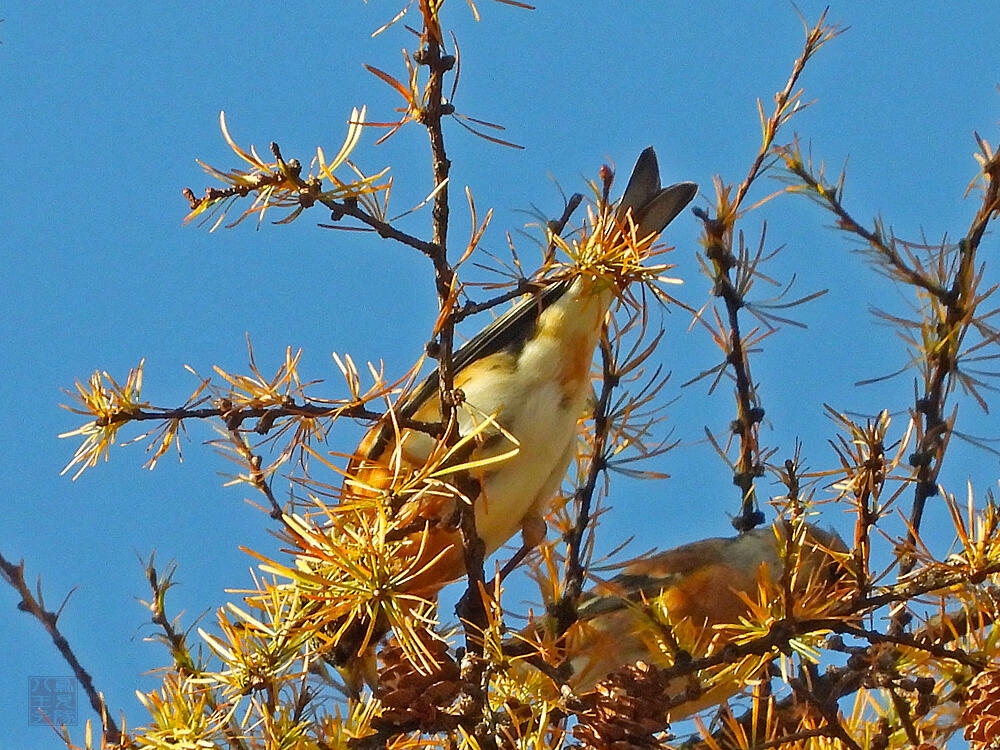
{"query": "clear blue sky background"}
(105, 105)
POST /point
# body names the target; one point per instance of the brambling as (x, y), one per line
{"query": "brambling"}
(682, 599)
(525, 380)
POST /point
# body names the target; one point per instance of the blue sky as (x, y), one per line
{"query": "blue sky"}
(106, 105)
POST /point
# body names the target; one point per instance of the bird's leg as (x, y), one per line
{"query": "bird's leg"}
(517, 559)
(532, 534)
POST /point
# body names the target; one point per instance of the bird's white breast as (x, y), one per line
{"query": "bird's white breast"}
(539, 400)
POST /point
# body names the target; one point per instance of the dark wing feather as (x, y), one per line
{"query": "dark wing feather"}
(620, 591)
(643, 185)
(664, 208)
(653, 208)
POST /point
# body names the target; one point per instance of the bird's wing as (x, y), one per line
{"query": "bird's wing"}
(647, 577)
(509, 329)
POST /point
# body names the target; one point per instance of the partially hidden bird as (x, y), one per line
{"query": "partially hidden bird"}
(681, 599)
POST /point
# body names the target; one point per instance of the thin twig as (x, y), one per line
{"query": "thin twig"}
(718, 243)
(382, 228)
(177, 642)
(236, 416)
(14, 575)
(257, 476)
(471, 308)
(565, 608)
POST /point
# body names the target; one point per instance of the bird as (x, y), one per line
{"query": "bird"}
(525, 383)
(679, 600)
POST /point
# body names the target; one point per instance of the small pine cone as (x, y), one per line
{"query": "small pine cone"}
(411, 697)
(625, 711)
(982, 711)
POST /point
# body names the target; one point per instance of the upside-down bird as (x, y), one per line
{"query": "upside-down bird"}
(681, 599)
(525, 380)
(521, 385)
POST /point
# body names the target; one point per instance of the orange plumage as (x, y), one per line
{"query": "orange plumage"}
(692, 592)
